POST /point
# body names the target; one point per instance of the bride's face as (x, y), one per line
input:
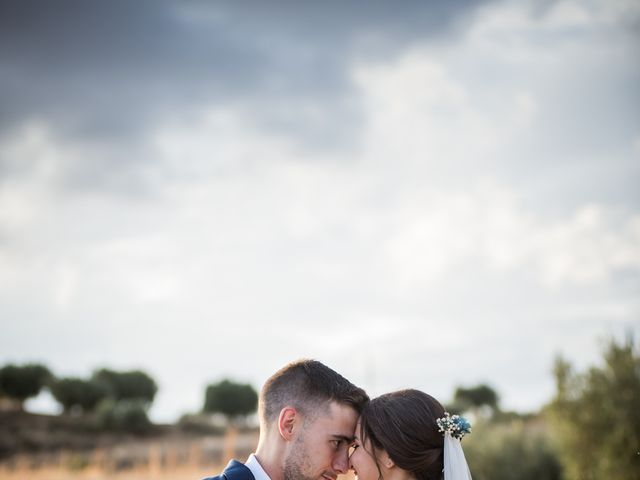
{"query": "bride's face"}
(361, 460)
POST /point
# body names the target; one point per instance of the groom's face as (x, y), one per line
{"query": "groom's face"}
(320, 451)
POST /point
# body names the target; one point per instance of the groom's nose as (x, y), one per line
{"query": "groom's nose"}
(341, 462)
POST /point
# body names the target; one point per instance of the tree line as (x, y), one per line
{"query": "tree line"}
(119, 400)
(113, 400)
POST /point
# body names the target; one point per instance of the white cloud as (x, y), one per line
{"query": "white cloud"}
(65, 285)
(418, 114)
(526, 107)
(489, 226)
(423, 121)
(524, 18)
(30, 160)
(568, 14)
(590, 247)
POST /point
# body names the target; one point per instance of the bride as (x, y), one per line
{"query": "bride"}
(407, 435)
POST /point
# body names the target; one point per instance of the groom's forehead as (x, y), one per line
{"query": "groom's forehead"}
(340, 417)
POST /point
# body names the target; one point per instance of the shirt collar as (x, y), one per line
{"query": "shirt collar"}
(254, 465)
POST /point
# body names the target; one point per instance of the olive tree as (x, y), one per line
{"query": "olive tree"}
(596, 415)
(19, 382)
(233, 400)
(77, 393)
(128, 385)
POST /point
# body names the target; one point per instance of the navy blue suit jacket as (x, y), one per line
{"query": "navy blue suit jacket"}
(234, 471)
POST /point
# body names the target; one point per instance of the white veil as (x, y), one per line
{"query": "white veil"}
(453, 428)
(455, 465)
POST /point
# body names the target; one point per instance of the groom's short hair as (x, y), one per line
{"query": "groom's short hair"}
(309, 386)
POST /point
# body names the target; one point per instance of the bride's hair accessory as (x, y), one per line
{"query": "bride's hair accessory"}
(454, 425)
(453, 428)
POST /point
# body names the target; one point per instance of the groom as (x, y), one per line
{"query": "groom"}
(308, 414)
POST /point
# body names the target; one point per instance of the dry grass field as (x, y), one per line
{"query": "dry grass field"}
(177, 457)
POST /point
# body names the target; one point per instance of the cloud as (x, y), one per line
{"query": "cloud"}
(37, 157)
(419, 113)
(109, 71)
(220, 170)
(487, 226)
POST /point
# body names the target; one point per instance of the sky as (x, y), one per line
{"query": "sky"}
(419, 194)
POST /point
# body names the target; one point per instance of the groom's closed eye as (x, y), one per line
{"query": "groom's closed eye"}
(338, 441)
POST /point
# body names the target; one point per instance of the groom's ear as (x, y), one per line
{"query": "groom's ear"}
(287, 422)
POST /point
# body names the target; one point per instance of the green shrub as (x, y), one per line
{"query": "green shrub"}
(596, 416)
(511, 451)
(123, 416)
(78, 393)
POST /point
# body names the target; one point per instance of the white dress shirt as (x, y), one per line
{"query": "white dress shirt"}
(253, 464)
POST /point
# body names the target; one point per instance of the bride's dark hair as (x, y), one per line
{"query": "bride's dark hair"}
(403, 423)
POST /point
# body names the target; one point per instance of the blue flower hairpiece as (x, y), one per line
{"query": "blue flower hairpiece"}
(455, 425)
